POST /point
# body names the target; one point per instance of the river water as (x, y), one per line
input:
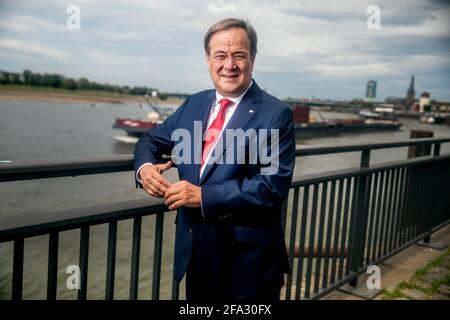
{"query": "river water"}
(39, 130)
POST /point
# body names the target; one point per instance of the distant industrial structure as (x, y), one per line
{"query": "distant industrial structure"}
(371, 89)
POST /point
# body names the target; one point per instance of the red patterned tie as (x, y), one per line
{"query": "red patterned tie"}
(212, 133)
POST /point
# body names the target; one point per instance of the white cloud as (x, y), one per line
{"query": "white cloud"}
(356, 70)
(118, 36)
(27, 24)
(220, 7)
(34, 47)
(100, 58)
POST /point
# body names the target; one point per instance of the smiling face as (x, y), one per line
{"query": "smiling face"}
(230, 63)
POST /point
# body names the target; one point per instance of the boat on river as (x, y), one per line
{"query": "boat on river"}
(305, 124)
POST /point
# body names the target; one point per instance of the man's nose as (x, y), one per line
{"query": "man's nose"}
(229, 63)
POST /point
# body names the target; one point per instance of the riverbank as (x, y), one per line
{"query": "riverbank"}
(22, 93)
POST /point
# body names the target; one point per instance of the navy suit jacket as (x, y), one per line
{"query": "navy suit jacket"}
(239, 204)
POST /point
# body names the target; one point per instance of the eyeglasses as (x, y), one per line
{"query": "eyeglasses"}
(237, 57)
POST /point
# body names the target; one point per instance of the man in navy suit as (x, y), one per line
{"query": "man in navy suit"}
(229, 234)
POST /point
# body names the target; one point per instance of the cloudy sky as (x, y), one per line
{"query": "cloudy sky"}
(310, 48)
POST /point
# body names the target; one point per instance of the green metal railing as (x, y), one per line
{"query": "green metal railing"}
(336, 222)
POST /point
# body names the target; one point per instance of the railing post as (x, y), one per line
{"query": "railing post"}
(135, 258)
(365, 159)
(17, 269)
(111, 260)
(437, 149)
(84, 262)
(159, 229)
(434, 178)
(52, 276)
(361, 215)
(284, 209)
(292, 241)
(175, 284)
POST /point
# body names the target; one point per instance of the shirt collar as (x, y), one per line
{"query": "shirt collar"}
(236, 100)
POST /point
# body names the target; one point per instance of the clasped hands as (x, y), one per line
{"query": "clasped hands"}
(176, 195)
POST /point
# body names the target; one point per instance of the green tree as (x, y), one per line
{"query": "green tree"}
(70, 84)
(36, 80)
(56, 81)
(51, 81)
(125, 89)
(4, 78)
(139, 91)
(83, 84)
(27, 74)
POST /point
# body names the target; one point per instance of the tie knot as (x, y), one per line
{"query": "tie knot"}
(224, 103)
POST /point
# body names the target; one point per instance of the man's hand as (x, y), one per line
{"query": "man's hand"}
(183, 194)
(152, 180)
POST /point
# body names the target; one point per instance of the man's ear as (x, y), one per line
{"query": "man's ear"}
(253, 61)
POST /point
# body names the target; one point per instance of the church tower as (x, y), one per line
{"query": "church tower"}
(410, 94)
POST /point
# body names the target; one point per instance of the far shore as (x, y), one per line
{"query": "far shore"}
(65, 96)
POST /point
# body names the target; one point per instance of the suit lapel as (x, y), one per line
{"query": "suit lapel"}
(201, 113)
(245, 111)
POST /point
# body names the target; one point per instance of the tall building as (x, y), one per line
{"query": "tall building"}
(371, 89)
(410, 94)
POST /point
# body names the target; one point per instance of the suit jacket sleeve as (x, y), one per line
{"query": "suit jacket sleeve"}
(156, 142)
(258, 190)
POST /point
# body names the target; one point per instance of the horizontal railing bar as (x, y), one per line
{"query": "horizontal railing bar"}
(302, 152)
(32, 225)
(331, 175)
(17, 170)
(53, 168)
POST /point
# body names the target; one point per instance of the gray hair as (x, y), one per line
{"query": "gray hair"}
(228, 24)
